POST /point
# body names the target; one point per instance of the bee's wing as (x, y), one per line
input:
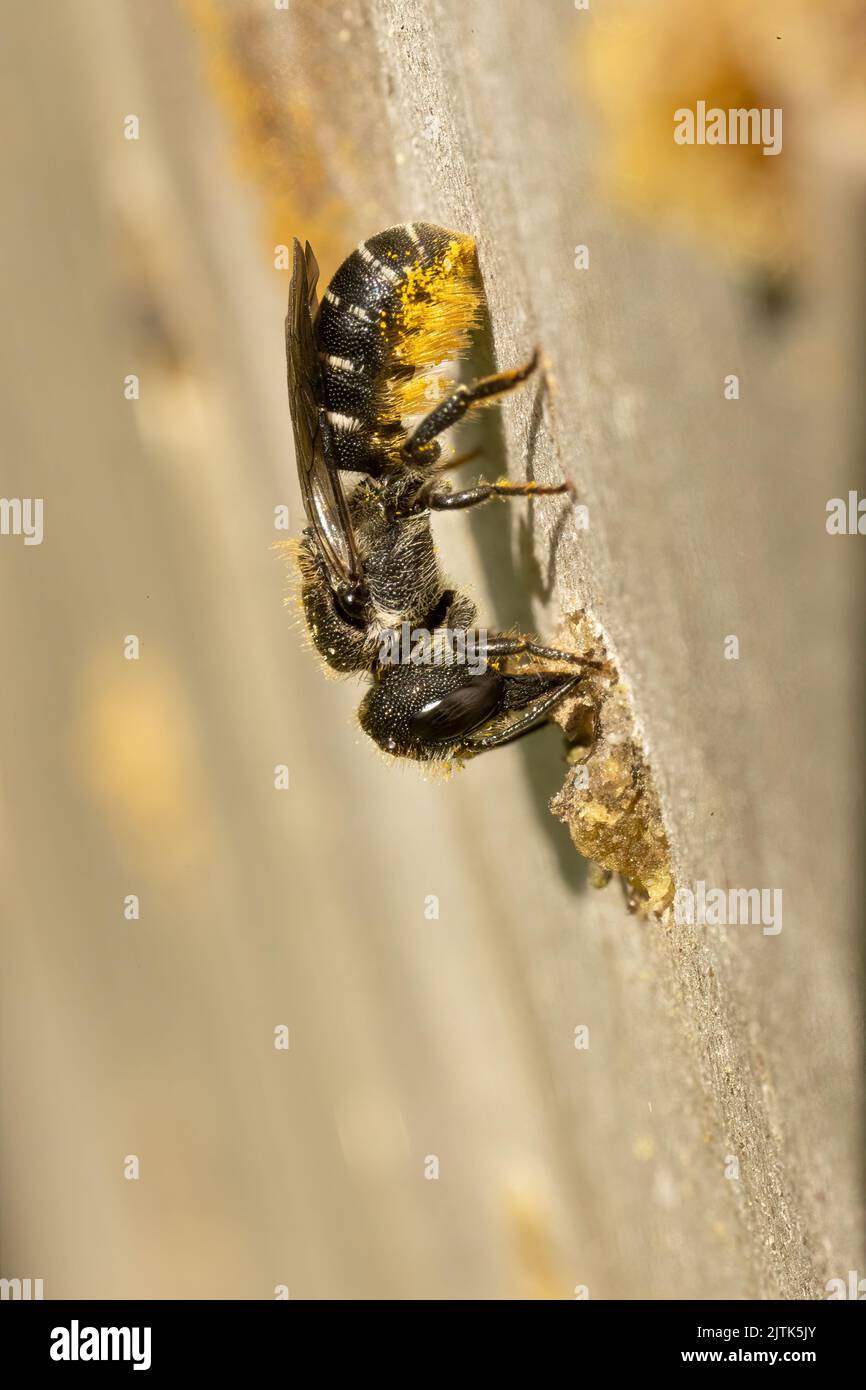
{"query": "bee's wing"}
(324, 500)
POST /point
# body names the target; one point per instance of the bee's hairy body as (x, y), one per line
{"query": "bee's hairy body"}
(404, 581)
(360, 363)
(403, 302)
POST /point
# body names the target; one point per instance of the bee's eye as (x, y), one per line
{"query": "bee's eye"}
(457, 712)
(351, 603)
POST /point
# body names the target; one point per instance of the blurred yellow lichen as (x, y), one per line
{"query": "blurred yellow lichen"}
(275, 76)
(135, 751)
(640, 63)
(644, 1148)
(538, 1261)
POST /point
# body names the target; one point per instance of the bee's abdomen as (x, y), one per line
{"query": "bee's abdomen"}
(404, 300)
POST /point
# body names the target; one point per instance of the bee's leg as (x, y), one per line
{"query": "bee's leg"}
(517, 646)
(462, 398)
(529, 719)
(471, 497)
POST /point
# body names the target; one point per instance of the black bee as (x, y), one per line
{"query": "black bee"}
(359, 364)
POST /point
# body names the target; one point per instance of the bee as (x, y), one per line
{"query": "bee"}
(361, 363)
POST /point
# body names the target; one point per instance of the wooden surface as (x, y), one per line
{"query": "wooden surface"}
(410, 1037)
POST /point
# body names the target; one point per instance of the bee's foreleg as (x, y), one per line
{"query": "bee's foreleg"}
(528, 720)
(518, 646)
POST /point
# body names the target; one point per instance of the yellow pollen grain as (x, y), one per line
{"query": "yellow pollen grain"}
(438, 306)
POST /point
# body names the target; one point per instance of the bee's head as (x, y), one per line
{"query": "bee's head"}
(423, 712)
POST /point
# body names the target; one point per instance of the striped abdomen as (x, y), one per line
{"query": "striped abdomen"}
(402, 303)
